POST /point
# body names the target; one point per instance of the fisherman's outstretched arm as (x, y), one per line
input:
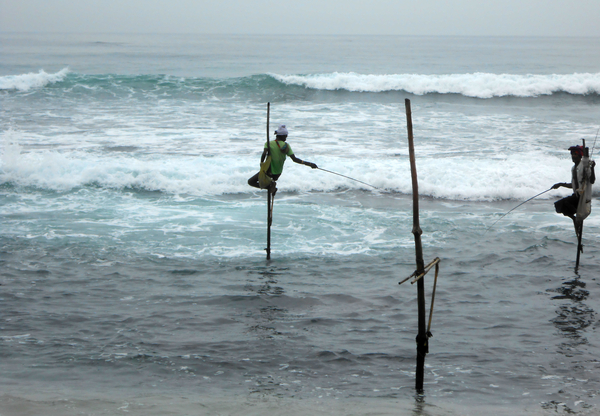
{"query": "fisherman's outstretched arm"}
(563, 184)
(263, 156)
(303, 162)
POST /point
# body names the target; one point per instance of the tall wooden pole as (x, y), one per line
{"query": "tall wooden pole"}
(578, 221)
(422, 339)
(268, 191)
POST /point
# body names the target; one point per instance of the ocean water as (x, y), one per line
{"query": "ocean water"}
(133, 277)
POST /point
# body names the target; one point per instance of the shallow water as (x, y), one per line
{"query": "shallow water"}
(513, 325)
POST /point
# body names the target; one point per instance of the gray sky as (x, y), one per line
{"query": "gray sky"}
(376, 17)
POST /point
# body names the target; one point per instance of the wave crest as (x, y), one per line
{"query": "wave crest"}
(25, 82)
(478, 85)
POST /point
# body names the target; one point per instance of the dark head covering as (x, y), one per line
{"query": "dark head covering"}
(578, 150)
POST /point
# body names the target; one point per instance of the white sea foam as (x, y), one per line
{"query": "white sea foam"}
(461, 156)
(461, 177)
(25, 82)
(480, 85)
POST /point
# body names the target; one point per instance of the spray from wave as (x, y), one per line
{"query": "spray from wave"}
(26, 82)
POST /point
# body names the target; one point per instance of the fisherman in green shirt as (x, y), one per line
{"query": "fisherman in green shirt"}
(279, 150)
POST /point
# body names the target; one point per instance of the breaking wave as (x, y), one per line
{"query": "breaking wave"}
(479, 85)
(26, 82)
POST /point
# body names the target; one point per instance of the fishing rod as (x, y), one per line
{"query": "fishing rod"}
(533, 197)
(348, 177)
(595, 142)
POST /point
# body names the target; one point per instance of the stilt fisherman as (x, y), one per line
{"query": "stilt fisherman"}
(272, 167)
(568, 205)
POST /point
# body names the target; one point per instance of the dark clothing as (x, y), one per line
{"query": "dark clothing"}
(567, 206)
(253, 181)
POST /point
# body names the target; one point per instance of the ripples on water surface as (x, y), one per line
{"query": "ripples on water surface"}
(513, 326)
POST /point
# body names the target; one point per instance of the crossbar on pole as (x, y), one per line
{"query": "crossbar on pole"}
(427, 268)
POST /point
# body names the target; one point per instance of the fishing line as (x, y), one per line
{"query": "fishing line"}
(541, 193)
(348, 177)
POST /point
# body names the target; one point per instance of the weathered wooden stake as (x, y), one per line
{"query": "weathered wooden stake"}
(422, 338)
(579, 232)
(269, 205)
(579, 221)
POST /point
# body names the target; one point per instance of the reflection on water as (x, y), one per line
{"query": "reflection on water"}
(573, 317)
(269, 314)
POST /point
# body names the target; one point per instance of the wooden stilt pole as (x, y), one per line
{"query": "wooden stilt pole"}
(268, 249)
(269, 196)
(579, 232)
(579, 219)
(422, 339)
